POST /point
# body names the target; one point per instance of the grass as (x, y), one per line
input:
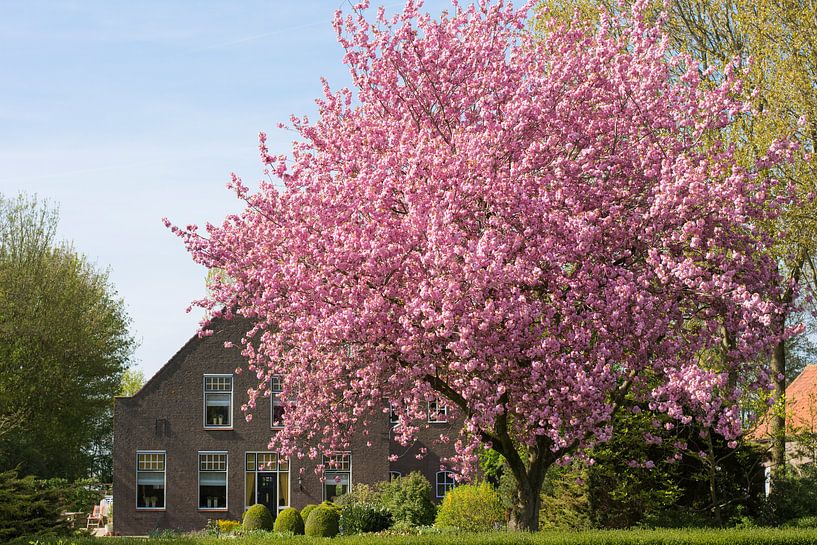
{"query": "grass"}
(761, 536)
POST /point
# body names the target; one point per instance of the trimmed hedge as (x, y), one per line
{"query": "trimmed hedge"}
(258, 517)
(762, 536)
(289, 520)
(322, 522)
(602, 537)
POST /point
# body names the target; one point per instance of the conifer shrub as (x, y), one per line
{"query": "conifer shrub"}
(289, 520)
(29, 508)
(258, 517)
(323, 521)
(473, 508)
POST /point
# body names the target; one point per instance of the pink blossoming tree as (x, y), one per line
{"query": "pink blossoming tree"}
(528, 228)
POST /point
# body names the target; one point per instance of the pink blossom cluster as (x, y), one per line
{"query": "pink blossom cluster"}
(527, 227)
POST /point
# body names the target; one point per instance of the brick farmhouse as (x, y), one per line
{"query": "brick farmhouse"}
(184, 454)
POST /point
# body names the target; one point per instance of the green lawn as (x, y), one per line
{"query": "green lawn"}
(628, 537)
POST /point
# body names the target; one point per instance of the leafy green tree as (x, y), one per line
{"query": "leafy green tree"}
(132, 382)
(64, 345)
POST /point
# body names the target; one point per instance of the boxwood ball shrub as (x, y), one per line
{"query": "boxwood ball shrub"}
(289, 520)
(323, 521)
(473, 508)
(258, 517)
(306, 510)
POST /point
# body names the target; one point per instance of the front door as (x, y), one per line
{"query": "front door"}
(268, 491)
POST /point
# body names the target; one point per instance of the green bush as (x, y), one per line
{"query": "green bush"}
(802, 522)
(289, 520)
(258, 517)
(322, 522)
(473, 508)
(306, 510)
(359, 518)
(408, 499)
(793, 496)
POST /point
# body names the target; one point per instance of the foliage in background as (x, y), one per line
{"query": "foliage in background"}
(472, 508)
(132, 381)
(64, 345)
(793, 496)
(29, 507)
(565, 503)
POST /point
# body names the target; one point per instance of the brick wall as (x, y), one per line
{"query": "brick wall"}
(167, 415)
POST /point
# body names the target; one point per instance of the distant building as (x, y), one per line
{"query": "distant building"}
(801, 421)
(183, 453)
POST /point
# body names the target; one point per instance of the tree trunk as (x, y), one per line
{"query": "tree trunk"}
(713, 483)
(525, 510)
(777, 424)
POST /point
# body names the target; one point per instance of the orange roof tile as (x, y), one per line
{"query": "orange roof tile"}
(801, 406)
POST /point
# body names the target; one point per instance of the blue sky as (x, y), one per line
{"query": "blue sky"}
(123, 112)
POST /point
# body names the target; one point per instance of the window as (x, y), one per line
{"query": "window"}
(266, 481)
(276, 403)
(218, 401)
(437, 412)
(394, 475)
(393, 417)
(445, 482)
(338, 474)
(150, 479)
(213, 480)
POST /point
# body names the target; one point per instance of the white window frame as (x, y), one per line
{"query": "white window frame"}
(164, 482)
(438, 412)
(328, 469)
(272, 397)
(394, 418)
(445, 484)
(204, 393)
(394, 475)
(278, 471)
(226, 480)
